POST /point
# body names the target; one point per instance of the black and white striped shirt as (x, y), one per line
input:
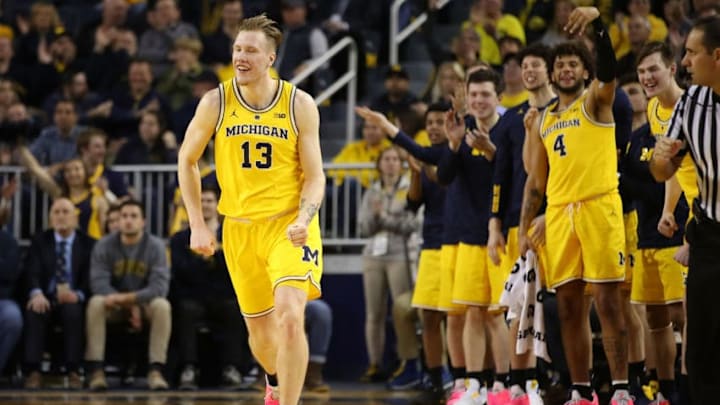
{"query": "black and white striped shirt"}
(696, 122)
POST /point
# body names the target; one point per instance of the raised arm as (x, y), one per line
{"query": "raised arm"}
(44, 179)
(313, 189)
(197, 136)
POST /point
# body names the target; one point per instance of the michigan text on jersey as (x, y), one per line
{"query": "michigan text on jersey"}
(254, 129)
(575, 122)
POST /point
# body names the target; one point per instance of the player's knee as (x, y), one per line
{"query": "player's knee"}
(291, 323)
(658, 316)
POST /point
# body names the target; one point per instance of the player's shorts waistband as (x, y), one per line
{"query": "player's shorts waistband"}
(585, 200)
(261, 220)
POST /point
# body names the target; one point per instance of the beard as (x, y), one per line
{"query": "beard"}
(570, 89)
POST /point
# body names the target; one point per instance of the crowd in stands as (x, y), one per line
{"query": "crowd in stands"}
(118, 83)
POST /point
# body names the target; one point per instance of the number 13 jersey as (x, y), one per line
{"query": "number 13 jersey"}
(256, 154)
(581, 154)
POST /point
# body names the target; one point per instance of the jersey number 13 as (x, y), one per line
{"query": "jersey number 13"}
(265, 161)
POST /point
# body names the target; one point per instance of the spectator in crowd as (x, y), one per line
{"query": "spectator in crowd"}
(58, 274)
(556, 33)
(58, 57)
(639, 102)
(679, 26)
(201, 290)
(6, 194)
(9, 94)
(129, 279)
(9, 67)
(176, 83)
(302, 42)
(318, 326)
(217, 44)
(509, 45)
(397, 97)
(11, 321)
(366, 150)
(92, 149)
(514, 93)
(35, 34)
(101, 33)
(113, 220)
(638, 35)
(58, 143)
(619, 31)
(75, 186)
(387, 265)
(491, 24)
(109, 60)
(75, 88)
(449, 75)
(165, 27)
(200, 84)
(155, 143)
(18, 123)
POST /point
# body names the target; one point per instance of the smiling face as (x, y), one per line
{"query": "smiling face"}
(253, 54)
(655, 75)
(534, 72)
(74, 173)
(435, 126)
(569, 74)
(482, 100)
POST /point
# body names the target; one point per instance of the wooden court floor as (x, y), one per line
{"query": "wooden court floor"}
(354, 394)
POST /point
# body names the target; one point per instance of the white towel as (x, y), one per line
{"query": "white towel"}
(522, 297)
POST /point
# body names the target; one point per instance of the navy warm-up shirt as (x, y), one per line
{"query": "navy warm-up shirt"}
(433, 198)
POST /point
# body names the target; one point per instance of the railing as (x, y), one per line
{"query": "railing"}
(397, 36)
(349, 78)
(154, 186)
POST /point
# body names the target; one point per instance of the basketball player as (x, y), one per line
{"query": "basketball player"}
(573, 158)
(269, 167)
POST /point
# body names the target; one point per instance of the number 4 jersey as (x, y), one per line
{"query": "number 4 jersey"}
(256, 154)
(581, 152)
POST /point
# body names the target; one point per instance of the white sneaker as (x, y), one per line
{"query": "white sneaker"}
(474, 397)
(532, 388)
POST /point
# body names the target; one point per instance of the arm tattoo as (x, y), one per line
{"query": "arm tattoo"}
(531, 205)
(310, 209)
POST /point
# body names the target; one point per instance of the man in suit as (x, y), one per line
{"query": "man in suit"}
(58, 273)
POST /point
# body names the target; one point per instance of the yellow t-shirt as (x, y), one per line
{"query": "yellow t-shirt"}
(358, 152)
(659, 119)
(514, 100)
(256, 154)
(581, 154)
(507, 26)
(621, 42)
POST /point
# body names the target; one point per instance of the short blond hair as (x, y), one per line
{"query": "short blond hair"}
(265, 25)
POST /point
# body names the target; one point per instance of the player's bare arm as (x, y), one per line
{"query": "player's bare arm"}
(665, 160)
(197, 136)
(531, 121)
(313, 189)
(667, 225)
(535, 185)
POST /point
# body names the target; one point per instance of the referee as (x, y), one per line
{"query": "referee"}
(694, 127)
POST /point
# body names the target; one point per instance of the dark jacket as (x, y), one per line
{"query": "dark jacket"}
(40, 265)
(9, 265)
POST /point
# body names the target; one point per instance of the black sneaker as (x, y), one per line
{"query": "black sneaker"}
(188, 379)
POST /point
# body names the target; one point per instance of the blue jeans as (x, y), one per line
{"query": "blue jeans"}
(318, 326)
(11, 323)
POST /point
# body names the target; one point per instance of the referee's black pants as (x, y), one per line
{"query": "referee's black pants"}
(703, 311)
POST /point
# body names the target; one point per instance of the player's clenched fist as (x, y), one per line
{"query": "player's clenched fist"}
(297, 233)
(202, 241)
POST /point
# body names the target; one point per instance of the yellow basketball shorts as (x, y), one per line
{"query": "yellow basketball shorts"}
(427, 285)
(448, 266)
(658, 277)
(260, 257)
(586, 241)
(477, 281)
(631, 250)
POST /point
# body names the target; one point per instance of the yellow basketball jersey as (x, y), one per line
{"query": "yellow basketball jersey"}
(581, 154)
(256, 154)
(659, 119)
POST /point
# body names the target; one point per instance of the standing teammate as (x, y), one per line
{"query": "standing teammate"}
(573, 158)
(269, 167)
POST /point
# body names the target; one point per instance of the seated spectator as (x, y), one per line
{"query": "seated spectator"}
(75, 186)
(201, 290)
(638, 35)
(366, 150)
(44, 18)
(178, 216)
(109, 60)
(619, 30)
(318, 327)
(386, 266)
(217, 45)
(11, 321)
(514, 93)
(9, 67)
(155, 144)
(92, 148)
(99, 33)
(58, 57)
(113, 220)
(302, 42)
(449, 76)
(165, 28)
(74, 87)
(58, 143)
(491, 24)
(129, 279)
(176, 83)
(556, 33)
(58, 274)
(19, 124)
(397, 97)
